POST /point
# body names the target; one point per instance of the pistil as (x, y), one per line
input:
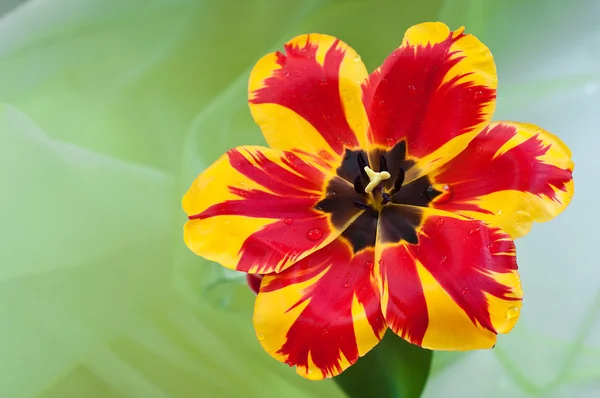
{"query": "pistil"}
(375, 177)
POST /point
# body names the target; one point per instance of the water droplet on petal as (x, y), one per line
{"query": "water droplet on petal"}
(499, 212)
(314, 234)
(325, 331)
(288, 221)
(390, 141)
(381, 263)
(324, 154)
(443, 259)
(446, 194)
(464, 290)
(474, 231)
(490, 245)
(347, 284)
(455, 225)
(260, 336)
(348, 275)
(331, 193)
(370, 264)
(440, 221)
(512, 312)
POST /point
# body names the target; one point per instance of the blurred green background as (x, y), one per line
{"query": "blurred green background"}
(109, 110)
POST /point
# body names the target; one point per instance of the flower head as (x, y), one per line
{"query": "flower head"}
(387, 200)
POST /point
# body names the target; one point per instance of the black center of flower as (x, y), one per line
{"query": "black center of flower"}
(347, 198)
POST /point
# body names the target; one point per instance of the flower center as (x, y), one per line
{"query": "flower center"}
(373, 184)
(376, 194)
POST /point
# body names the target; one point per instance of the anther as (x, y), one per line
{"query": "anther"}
(386, 198)
(383, 164)
(399, 180)
(358, 186)
(361, 205)
(362, 163)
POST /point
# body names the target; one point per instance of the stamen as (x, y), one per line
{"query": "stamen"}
(361, 205)
(386, 198)
(383, 164)
(399, 180)
(375, 177)
(358, 186)
(362, 163)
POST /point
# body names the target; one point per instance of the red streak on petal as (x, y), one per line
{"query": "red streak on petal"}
(459, 259)
(261, 205)
(273, 176)
(277, 243)
(407, 98)
(254, 282)
(311, 90)
(325, 328)
(406, 312)
(477, 170)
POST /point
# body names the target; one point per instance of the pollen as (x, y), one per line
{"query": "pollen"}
(375, 177)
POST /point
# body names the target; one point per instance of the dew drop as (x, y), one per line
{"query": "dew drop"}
(490, 245)
(474, 231)
(348, 275)
(440, 221)
(370, 264)
(347, 284)
(331, 193)
(288, 221)
(314, 234)
(260, 336)
(499, 212)
(446, 194)
(512, 312)
(390, 141)
(464, 290)
(455, 225)
(443, 259)
(380, 263)
(325, 331)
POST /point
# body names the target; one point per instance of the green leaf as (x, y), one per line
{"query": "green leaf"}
(393, 369)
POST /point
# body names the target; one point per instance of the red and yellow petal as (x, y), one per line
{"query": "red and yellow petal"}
(323, 313)
(437, 89)
(308, 97)
(510, 175)
(455, 289)
(253, 210)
